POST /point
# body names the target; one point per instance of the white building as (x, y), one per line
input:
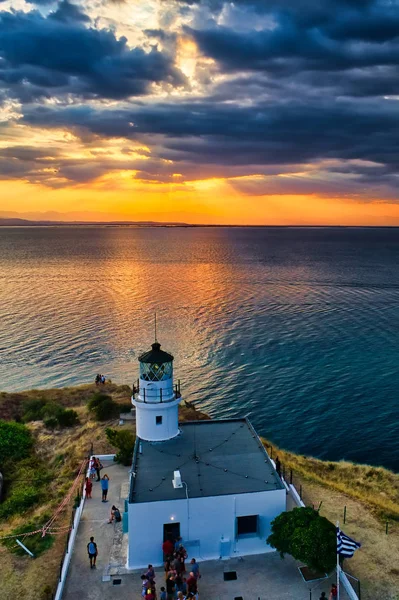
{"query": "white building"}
(210, 482)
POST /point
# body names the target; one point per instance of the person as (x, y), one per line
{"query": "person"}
(182, 554)
(88, 487)
(180, 596)
(115, 515)
(184, 586)
(195, 568)
(144, 585)
(163, 594)
(104, 487)
(92, 552)
(103, 379)
(150, 593)
(97, 467)
(278, 466)
(177, 544)
(323, 596)
(170, 587)
(176, 563)
(333, 592)
(192, 584)
(150, 574)
(167, 548)
(92, 468)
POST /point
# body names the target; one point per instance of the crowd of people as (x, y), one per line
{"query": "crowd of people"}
(179, 584)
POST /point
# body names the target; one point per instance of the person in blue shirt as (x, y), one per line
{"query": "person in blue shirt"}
(92, 552)
(104, 487)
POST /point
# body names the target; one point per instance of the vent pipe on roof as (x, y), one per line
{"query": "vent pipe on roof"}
(177, 483)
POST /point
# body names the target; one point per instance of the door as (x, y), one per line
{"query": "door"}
(171, 531)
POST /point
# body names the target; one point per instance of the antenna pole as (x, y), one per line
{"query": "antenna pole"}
(155, 326)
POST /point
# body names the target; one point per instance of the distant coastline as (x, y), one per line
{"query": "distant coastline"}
(13, 222)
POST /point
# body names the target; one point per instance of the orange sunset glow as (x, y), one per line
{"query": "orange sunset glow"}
(197, 112)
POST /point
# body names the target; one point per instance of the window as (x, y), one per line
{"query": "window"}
(247, 525)
(158, 420)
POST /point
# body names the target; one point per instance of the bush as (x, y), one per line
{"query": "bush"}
(68, 418)
(15, 442)
(51, 422)
(306, 536)
(22, 498)
(33, 410)
(97, 399)
(124, 440)
(103, 407)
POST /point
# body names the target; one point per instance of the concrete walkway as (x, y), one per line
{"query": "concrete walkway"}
(82, 582)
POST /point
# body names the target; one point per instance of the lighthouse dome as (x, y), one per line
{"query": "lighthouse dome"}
(155, 364)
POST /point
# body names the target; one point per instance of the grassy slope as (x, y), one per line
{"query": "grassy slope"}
(370, 494)
(63, 450)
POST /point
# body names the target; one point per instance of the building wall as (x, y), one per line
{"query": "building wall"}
(204, 523)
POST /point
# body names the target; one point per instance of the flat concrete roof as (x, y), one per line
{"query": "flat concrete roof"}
(214, 458)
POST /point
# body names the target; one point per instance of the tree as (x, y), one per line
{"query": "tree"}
(124, 440)
(306, 536)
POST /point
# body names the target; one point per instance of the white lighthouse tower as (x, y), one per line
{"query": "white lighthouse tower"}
(155, 397)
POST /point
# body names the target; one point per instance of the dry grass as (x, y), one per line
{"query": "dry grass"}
(371, 496)
(63, 450)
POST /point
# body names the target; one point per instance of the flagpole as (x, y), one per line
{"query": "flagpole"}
(338, 568)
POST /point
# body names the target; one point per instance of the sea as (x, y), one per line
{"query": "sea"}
(297, 328)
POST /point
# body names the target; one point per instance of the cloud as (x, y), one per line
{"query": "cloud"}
(58, 56)
(284, 97)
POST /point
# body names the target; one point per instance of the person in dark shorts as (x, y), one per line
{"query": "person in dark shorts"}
(104, 487)
(92, 552)
(170, 587)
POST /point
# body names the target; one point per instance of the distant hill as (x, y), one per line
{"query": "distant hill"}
(14, 222)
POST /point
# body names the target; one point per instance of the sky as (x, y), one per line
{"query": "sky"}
(200, 111)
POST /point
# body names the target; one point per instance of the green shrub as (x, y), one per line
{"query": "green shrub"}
(21, 499)
(97, 399)
(15, 442)
(51, 422)
(51, 409)
(35, 543)
(68, 418)
(32, 410)
(306, 536)
(103, 407)
(124, 440)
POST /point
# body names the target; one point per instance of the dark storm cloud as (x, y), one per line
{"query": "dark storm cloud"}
(277, 133)
(66, 11)
(58, 55)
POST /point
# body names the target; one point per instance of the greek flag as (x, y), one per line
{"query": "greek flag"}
(345, 545)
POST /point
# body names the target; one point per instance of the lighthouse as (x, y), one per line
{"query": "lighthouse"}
(155, 397)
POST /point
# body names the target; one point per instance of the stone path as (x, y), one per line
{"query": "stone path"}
(82, 582)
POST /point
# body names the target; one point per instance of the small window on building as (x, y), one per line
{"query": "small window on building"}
(158, 420)
(247, 525)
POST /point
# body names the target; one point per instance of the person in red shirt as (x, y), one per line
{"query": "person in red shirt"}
(167, 548)
(192, 584)
(89, 487)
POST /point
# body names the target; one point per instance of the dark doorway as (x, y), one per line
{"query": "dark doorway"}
(171, 531)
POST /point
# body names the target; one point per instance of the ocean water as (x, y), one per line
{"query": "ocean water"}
(295, 327)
